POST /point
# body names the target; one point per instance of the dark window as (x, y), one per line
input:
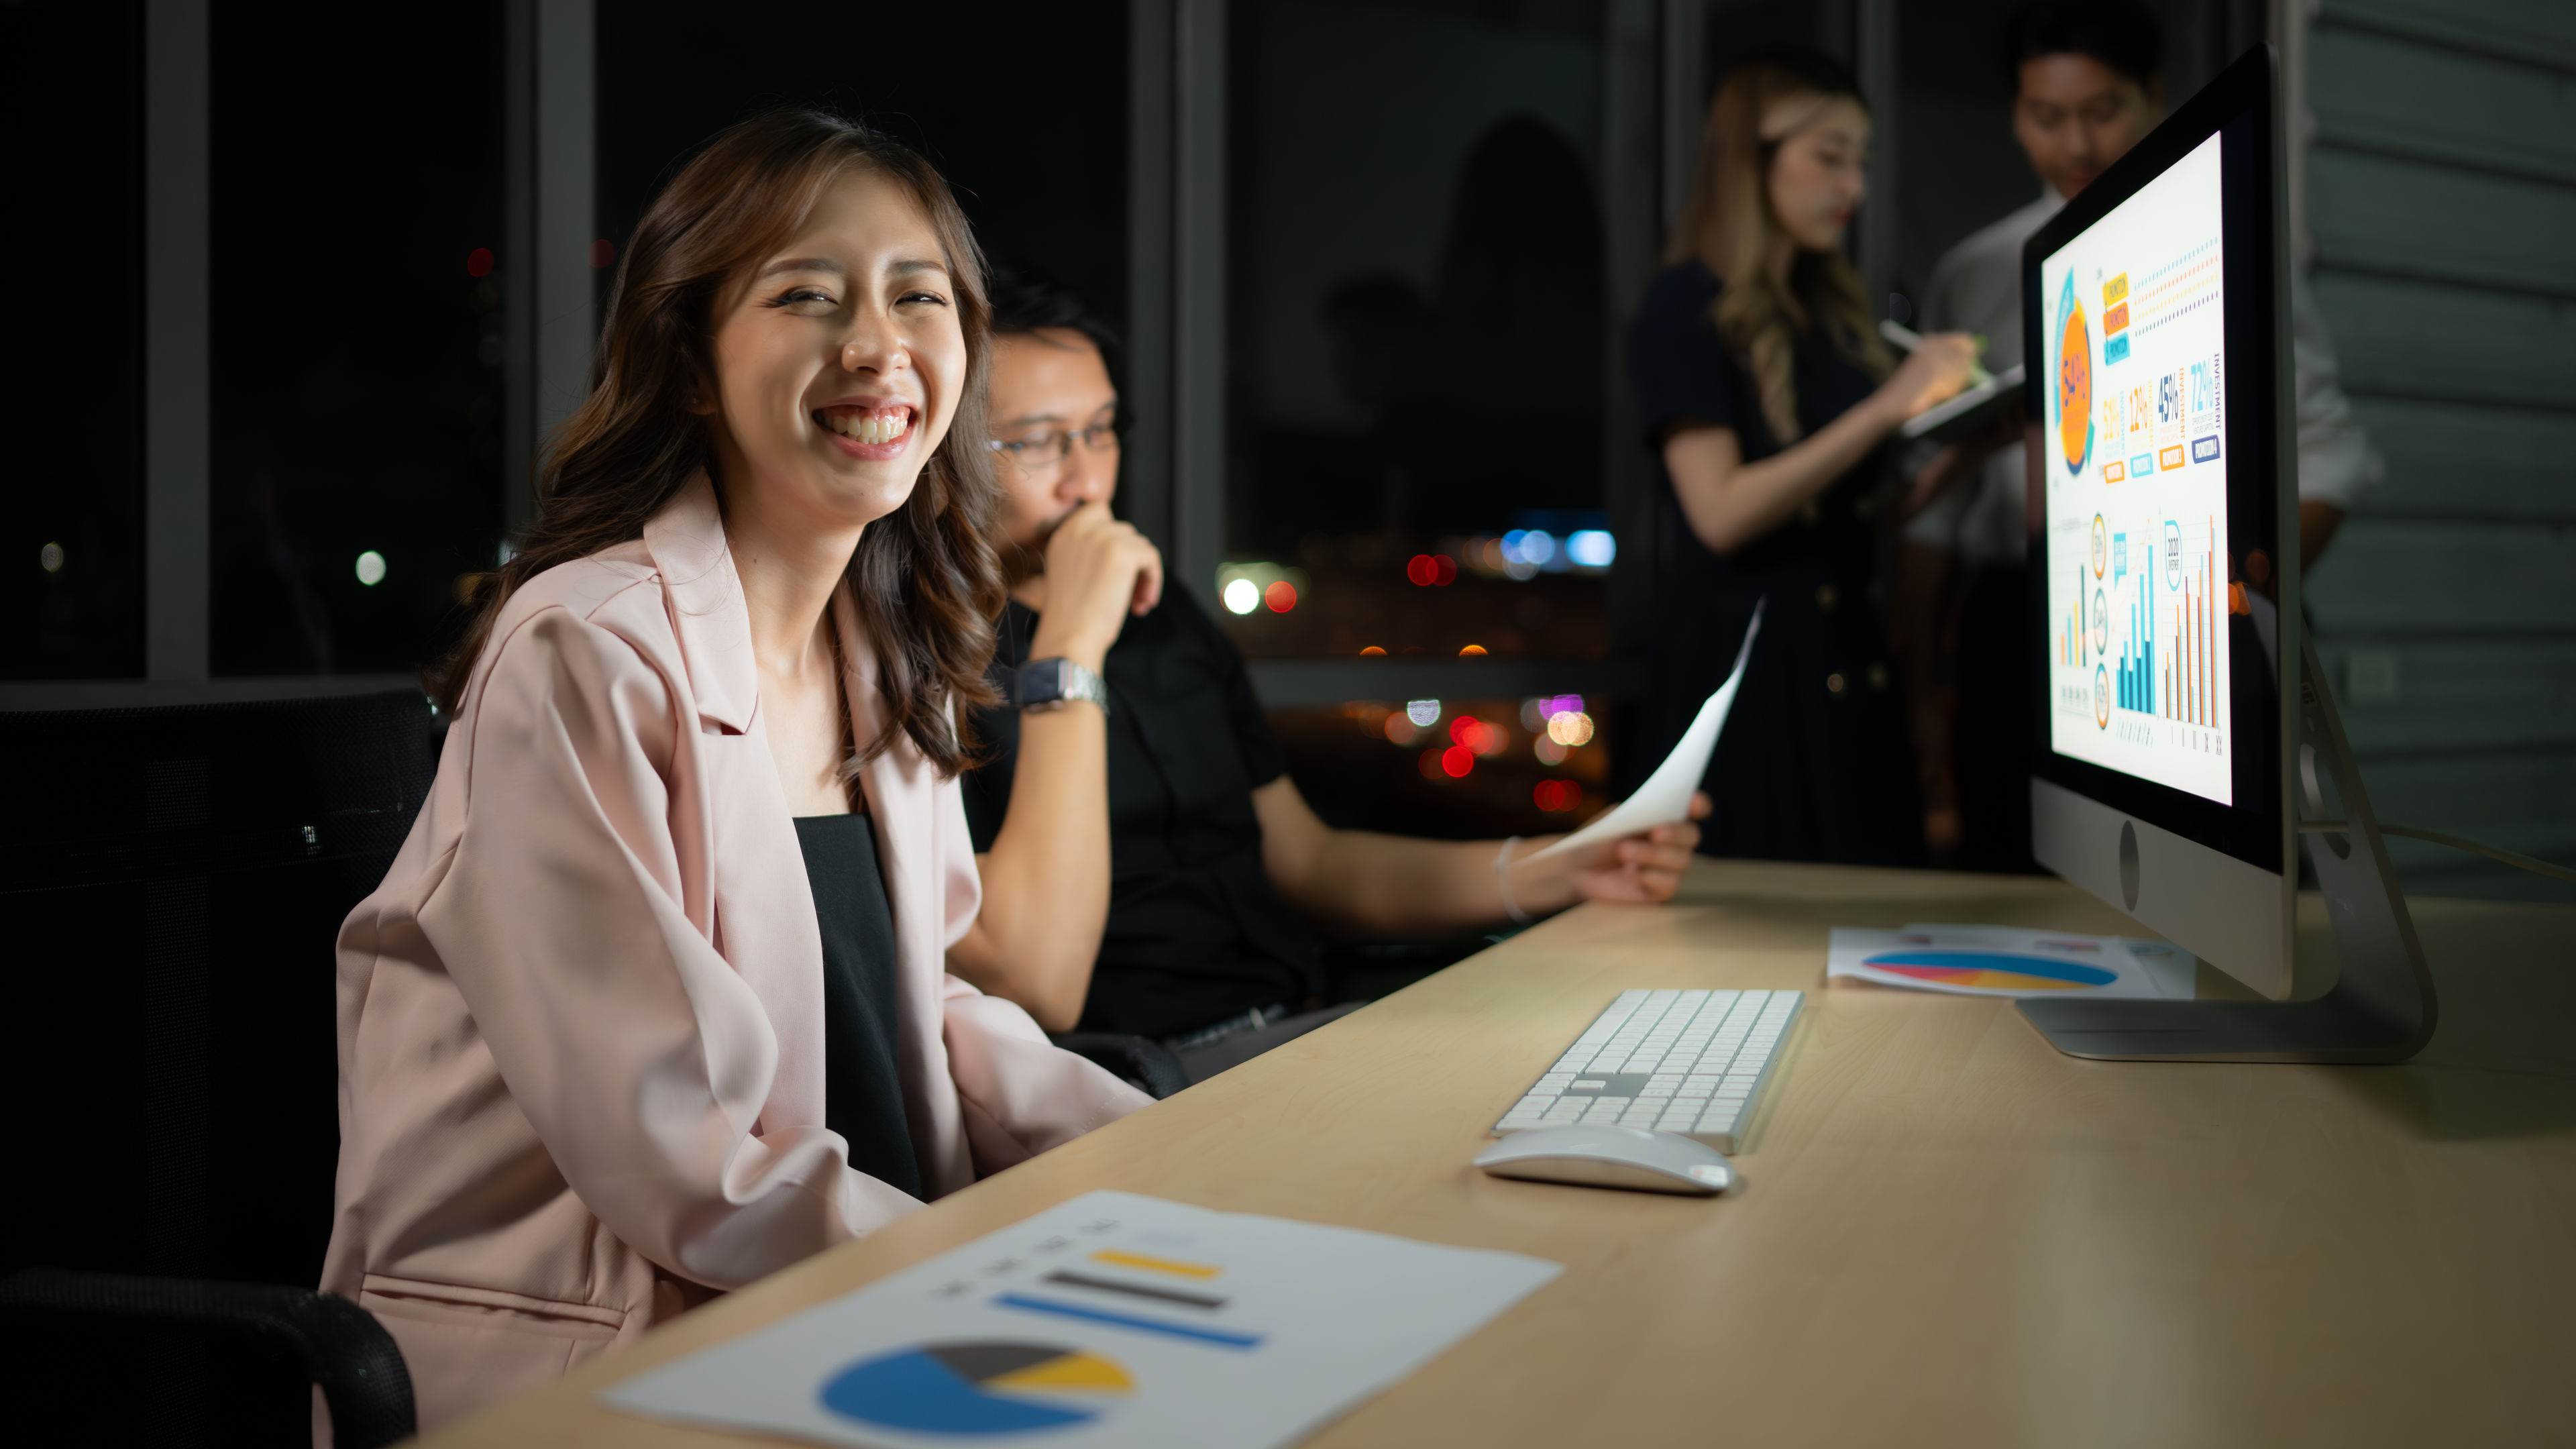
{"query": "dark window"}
(357, 369)
(71, 395)
(1023, 107)
(1416, 332)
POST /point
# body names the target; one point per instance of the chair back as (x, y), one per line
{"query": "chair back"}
(172, 881)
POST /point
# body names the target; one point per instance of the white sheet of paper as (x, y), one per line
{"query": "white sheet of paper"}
(2010, 961)
(1665, 797)
(1109, 1320)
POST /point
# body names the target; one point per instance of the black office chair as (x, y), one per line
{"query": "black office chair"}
(171, 883)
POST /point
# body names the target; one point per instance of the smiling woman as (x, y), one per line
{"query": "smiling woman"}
(652, 1002)
(688, 287)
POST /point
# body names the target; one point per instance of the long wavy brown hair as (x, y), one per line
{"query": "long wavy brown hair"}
(924, 577)
(1727, 224)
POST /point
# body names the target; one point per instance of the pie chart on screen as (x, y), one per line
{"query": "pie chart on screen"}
(977, 1388)
(1991, 970)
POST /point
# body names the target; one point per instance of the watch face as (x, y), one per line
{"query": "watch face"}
(1041, 681)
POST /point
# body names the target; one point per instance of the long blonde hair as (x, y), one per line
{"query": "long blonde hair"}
(1727, 224)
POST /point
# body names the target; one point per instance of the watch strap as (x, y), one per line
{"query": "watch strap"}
(1053, 683)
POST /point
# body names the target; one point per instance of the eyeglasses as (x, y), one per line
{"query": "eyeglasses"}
(1052, 447)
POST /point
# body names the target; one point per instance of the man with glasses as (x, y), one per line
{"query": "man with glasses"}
(1148, 866)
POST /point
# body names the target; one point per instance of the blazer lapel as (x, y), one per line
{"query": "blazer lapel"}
(763, 919)
(687, 541)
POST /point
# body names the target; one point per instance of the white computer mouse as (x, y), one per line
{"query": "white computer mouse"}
(1611, 1157)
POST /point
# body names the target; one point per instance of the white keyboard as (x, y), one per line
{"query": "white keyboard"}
(1692, 1062)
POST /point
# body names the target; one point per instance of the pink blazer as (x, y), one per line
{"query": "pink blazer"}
(580, 1023)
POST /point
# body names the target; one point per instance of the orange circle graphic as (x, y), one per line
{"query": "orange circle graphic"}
(2074, 388)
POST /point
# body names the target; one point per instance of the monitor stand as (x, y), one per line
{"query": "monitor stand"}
(2381, 1008)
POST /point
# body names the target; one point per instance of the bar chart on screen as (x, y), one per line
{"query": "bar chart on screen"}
(2168, 665)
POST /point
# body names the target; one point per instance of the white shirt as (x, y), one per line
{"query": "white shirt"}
(1976, 287)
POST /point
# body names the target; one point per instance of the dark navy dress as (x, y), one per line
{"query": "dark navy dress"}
(1812, 764)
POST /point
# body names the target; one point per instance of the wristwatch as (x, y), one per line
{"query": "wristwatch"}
(1054, 683)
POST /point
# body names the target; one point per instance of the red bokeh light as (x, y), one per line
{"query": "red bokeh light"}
(1429, 569)
(1466, 730)
(1457, 760)
(602, 252)
(1281, 596)
(1556, 796)
(478, 262)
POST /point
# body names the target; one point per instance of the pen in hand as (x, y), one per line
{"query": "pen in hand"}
(1909, 339)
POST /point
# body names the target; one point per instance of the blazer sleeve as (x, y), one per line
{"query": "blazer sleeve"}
(640, 1057)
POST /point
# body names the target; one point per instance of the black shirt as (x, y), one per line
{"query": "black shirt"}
(862, 1097)
(1196, 933)
(1813, 763)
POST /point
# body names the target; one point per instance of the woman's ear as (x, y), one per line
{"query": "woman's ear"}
(700, 397)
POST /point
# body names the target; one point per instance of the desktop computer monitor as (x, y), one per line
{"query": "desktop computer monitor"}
(2164, 579)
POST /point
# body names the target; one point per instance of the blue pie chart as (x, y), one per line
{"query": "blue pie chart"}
(978, 1388)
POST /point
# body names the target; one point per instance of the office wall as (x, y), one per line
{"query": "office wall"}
(2440, 198)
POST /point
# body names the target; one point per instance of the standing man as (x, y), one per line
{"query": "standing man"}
(2088, 83)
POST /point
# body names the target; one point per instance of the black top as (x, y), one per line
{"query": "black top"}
(1196, 933)
(1812, 764)
(862, 1097)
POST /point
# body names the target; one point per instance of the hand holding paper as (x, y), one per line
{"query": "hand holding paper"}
(1666, 795)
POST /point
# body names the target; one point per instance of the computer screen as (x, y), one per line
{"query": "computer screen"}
(2162, 703)
(2136, 526)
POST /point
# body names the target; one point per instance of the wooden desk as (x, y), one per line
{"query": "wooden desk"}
(1950, 1234)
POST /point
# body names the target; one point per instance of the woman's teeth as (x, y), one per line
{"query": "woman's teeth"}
(869, 427)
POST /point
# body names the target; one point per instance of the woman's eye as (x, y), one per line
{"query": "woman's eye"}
(803, 298)
(932, 298)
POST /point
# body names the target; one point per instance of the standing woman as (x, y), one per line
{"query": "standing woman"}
(1767, 396)
(652, 1003)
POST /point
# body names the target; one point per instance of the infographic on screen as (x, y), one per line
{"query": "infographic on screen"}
(2137, 487)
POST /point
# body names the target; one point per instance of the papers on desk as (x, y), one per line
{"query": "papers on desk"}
(1110, 1320)
(1665, 797)
(2010, 961)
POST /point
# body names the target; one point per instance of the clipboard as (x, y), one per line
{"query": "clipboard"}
(1969, 412)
